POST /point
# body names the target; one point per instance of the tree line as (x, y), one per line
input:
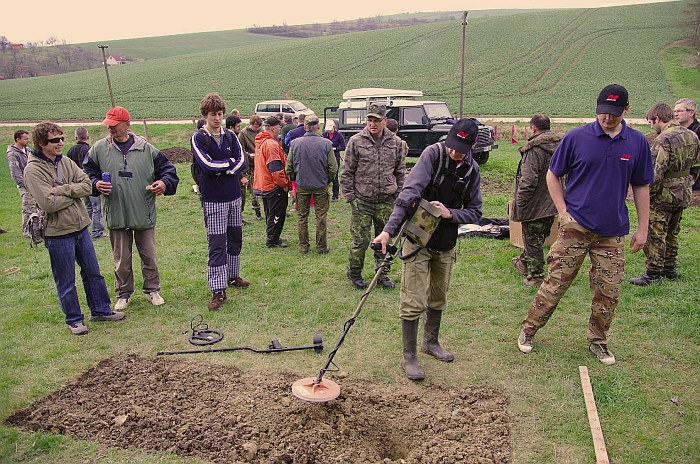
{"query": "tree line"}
(44, 57)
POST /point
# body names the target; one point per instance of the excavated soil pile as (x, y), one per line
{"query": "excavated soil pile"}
(178, 155)
(224, 415)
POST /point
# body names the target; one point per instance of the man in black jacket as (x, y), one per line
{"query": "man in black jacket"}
(78, 153)
(447, 176)
(685, 112)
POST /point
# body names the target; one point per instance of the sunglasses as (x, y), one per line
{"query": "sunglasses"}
(56, 139)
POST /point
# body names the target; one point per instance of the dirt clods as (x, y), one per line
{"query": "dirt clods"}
(224, 415)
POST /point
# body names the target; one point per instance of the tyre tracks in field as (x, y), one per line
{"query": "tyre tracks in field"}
(305, 84)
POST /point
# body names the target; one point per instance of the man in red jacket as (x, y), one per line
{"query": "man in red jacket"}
(270, 181)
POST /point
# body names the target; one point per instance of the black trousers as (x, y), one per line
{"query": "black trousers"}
(275, 205)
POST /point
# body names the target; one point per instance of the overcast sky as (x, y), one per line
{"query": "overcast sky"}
(80, 21)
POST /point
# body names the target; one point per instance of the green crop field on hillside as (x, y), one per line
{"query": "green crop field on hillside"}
(553, 61)
(182, 44)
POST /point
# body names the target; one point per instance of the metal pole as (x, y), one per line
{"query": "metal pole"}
(109, 83)
(461, 84)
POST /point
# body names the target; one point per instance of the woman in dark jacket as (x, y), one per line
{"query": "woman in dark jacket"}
(338, 142)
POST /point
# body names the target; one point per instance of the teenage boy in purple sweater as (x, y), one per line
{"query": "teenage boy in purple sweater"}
(219, 155)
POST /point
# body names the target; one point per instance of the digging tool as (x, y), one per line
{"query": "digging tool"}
(275, 347)
(317, 389)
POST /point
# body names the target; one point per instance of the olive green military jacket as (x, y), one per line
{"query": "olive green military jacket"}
(676, 153)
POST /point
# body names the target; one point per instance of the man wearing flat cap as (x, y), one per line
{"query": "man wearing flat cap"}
(447, 176)
(372, 177)
(311, 163)
(139, 172)
(600, 161)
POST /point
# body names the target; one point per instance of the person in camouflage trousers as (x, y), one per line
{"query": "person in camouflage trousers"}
(247, 139)
(676, 164)
(373, 172)
(17, 156)
(600, 161)
(532, 204)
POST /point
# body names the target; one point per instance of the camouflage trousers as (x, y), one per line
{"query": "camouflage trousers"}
(661, 248)
(565, 258)
(28, 208)
(254, 201)
(321, 202)
(534, 234)
(362, 216)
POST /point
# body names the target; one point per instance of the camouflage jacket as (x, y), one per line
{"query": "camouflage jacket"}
(531, 199)
(17, 161)
(373, 171)
(676, 153)
(247, 139)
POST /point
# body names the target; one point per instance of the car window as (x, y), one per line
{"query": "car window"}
(437, 111)
(268, 108)
(298, 106)
(413, 116)
(287, 109)
(354, 117)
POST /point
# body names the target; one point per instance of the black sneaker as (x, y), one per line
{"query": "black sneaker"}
(278, 244)
(111, 316)
(386, 282)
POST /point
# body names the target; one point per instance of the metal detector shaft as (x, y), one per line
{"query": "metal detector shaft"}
(317, 347)
(385, 264)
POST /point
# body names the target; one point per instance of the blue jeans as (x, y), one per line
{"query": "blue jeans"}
(94, 210)
(64, 252)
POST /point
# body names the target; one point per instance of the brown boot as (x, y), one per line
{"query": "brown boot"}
(217, 300)
(410, 364)
(431, 330)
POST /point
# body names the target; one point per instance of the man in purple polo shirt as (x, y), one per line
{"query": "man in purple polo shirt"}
(599, 160)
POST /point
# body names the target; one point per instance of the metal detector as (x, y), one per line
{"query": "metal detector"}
(317, 389)
(275, 347)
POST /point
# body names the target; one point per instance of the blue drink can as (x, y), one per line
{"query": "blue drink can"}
(106, 177)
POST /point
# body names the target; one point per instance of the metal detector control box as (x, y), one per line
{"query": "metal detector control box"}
(421, 226)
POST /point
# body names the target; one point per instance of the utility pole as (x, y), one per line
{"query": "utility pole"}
(461, 84)
(109, 83)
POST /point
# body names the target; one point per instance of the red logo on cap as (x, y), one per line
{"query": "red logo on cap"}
(612, 97)
(462, 134)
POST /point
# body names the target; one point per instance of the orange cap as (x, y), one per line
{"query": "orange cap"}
(115, 116)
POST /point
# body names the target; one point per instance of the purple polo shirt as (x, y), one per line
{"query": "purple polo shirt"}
(599, 171)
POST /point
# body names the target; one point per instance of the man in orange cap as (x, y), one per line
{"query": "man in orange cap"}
(137, 173)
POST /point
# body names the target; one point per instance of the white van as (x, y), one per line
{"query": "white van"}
(274, 107)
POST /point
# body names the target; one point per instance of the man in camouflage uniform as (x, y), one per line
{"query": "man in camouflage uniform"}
(17, 155)
(685, 113)
(532, 205)
(676, 164)
(600, 161)
(372, 176)
(247, 139)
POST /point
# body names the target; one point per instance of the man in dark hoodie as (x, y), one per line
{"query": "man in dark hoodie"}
(447, 176)
(532, 205)
(78, 153)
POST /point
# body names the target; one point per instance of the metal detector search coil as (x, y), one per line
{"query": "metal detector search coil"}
(422, 224)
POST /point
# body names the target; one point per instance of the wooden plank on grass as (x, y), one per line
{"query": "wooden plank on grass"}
(601, 453)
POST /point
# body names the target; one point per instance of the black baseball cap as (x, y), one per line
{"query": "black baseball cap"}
(613, 99)
(462, 136)
(272, 121)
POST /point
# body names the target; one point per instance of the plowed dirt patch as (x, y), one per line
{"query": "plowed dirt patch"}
(224, 415)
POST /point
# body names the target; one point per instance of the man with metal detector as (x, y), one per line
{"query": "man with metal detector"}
(444, 184)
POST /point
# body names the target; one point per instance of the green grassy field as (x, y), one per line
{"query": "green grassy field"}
(655, 335)
(553, 61)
